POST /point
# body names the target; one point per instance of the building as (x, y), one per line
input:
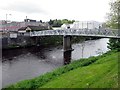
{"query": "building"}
(87, 25)
(24, 31)
(14, 26)
(2, 22)
(83, 25)
(32, 28)
(65, 26)
(29, 20)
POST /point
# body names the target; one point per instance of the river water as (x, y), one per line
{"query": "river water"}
(20, 64)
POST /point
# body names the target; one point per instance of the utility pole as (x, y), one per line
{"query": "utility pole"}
(7, 32)
(26, 22)
(6, 21)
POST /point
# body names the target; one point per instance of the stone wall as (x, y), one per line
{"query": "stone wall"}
(20, 41)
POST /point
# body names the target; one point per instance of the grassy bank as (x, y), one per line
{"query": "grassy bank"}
(94, 72)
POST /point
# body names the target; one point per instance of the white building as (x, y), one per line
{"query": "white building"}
(65, 26)
(86, 24)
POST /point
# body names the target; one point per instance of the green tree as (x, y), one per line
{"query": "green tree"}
(114, 23)
(113, 16)
(114, 44)
(58, 23)
(50, 22)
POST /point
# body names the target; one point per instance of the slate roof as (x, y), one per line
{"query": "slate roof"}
(37, 27)
(34, 28)
(22, 28)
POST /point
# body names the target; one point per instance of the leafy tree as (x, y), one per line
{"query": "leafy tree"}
(113, 16)
(50, 22)
(41, 21)
(114, 23)
(58, 23)
(65, 21)
(114, 44)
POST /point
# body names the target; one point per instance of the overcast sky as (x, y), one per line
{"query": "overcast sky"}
(80, 10)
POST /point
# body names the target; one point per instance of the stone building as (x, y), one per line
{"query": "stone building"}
(18, 33)
(14, 26)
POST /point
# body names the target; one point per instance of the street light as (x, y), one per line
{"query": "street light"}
(6, 20)
(7, 16)
(8, 34)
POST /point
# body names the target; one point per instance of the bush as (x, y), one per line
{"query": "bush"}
(114, 44)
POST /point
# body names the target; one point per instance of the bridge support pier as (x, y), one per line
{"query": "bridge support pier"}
(67, 47)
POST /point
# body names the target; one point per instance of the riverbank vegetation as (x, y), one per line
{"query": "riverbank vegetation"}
(113, 22)
(94, 72)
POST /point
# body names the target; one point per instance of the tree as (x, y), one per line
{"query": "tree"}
(114, 23)
(114, 15)
(50, 22)
(114, 44)
(41, 21)
(58, 23)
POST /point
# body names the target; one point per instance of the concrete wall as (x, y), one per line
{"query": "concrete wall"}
(20, 41)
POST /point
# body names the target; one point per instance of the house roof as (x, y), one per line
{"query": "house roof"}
(34, 28)
(37, 27)
(22, 28)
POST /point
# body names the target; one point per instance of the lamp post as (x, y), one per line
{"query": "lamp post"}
(8, 34)
(7, 19)
(7, 16)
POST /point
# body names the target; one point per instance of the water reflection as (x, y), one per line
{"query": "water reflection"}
(90, 48)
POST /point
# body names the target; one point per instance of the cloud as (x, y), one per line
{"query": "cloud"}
(24, 7)
(52, 9)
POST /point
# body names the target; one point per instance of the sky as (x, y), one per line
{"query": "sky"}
(79, 10)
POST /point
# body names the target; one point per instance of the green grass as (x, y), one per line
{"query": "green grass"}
(94, 72)
(102, 74)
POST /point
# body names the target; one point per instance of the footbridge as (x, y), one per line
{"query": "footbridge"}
(105, 33)
(68, 33)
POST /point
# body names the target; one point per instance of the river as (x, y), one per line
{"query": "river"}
(20, 64)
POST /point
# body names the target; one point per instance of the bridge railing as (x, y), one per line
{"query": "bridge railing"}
(82, 32)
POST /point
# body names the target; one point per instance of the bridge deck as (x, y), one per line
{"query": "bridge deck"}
(106, 33)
